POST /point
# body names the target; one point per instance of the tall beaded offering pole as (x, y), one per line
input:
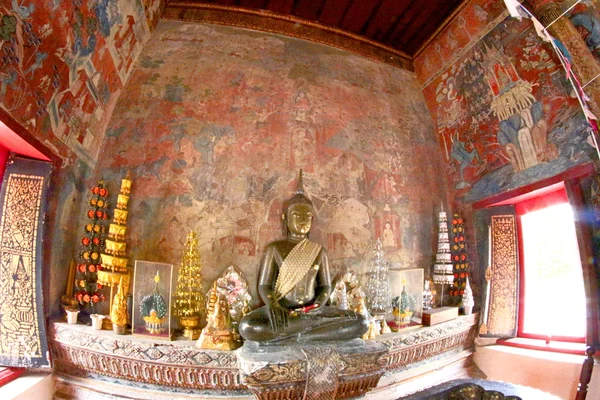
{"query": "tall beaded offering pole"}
(113, 271)
(459, 257)
(88, 289)
(377, 288)
(188, 300)
(442, 269)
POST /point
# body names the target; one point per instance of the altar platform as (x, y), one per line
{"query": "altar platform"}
(94, 364)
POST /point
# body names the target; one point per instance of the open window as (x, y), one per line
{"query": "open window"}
(553, 305)
(536, 250)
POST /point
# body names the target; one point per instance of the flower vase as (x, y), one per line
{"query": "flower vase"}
(97, 321)
(72, 316)
(119, 329)
(191, 325)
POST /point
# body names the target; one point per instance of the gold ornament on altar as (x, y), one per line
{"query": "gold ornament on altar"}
(357, 303)
(188, 300)
(114, 261)
(118, 311)
(154, 310)
(232, 285)
(218, 333)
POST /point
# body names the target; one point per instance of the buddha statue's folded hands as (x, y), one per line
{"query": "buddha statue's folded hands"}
(278, 316)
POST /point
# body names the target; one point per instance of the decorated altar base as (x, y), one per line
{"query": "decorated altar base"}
(322, 371)
(100, 365)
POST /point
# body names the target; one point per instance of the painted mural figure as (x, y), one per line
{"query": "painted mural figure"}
(589, 27)
(388, 236)
(464, 158)
(295, 285)
(524, 137)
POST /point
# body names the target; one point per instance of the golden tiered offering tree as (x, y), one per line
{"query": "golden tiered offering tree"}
(188, 300)
(113, 269)
(87, 289)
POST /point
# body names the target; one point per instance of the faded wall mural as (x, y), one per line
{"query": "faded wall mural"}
(505, 115)
(215, 122)
(63, 65)
(586, 18)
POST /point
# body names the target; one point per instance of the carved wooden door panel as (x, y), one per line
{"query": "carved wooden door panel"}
(22, 209)
(500, 262)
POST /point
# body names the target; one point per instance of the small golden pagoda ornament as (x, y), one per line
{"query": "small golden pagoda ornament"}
(114, 261)
(188, 300)
(118, 311)
(218, 332)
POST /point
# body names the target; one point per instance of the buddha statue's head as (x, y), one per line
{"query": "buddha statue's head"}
(298, 211)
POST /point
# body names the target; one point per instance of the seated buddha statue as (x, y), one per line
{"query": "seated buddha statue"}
(294, 283)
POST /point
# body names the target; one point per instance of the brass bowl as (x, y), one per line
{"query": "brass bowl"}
(190, 325)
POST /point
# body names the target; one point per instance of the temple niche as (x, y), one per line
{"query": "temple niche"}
(212, 110)
(219, 155)
(387, 229)
(218, 160)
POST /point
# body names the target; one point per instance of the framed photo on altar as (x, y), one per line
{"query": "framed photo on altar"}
(151, 314)
(413, 280)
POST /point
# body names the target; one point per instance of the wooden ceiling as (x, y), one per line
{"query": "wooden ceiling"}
(395, 30)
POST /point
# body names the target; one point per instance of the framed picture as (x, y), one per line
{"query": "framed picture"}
(413, 280)
(152, 299)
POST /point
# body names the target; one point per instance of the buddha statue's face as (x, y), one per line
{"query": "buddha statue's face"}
(299, 218)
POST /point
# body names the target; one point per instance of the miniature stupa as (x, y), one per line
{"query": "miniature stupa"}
(443, 269)
(443, 273)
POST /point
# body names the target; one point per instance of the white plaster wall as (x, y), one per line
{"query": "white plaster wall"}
(554, 373)
(30, 385)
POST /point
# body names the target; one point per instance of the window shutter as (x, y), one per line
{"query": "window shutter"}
(586, 196)
(500, 262)
(22, 209)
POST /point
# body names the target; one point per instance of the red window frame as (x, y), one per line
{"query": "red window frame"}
(555, 197)
(8, 374)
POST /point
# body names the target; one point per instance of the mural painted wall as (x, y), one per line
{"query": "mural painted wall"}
(504, 113)
(215, 122)
(63, 65)
(585, 16)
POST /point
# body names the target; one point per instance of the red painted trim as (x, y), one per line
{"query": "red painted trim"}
(17, 128)
(553, 346)
(576, 172)
(567, 339)
(521, 251)
(3, 159)
(10, 374)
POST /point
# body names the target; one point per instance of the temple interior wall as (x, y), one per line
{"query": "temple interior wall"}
(215, 122)
(493, 88)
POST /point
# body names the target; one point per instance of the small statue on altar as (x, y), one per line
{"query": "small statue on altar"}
(118, 313)
(295, 285)
(359, 305)
(218, 333)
